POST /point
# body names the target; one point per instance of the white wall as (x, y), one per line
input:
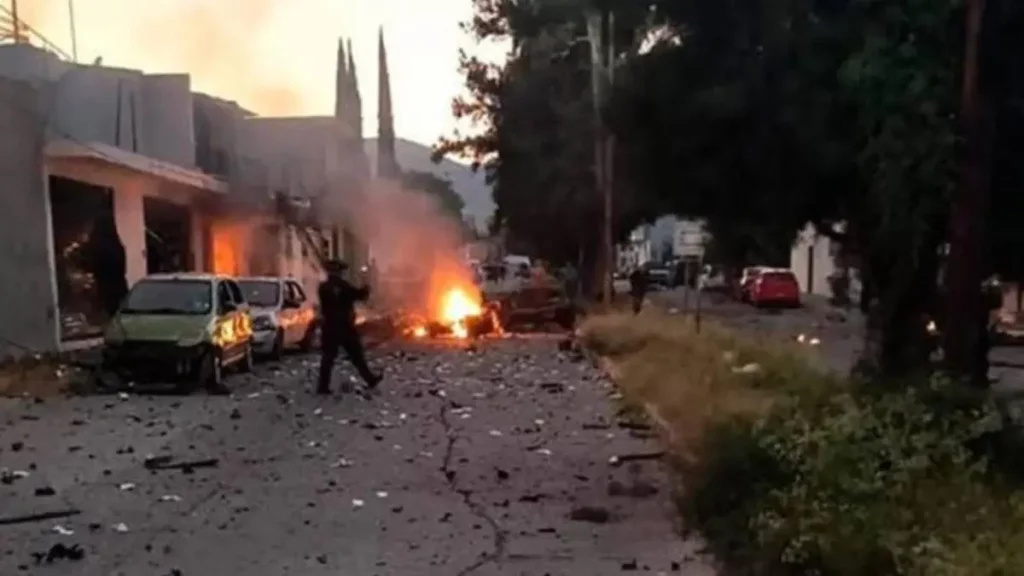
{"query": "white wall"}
(130, 189)
(812, 262)
(148, 114)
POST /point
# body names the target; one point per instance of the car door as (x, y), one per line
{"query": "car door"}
(225, 322)
(238, 319)
(303, 311)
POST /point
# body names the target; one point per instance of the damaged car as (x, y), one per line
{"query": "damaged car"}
(282, 316)
(185, 329)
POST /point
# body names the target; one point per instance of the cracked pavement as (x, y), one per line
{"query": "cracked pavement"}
(492, 461)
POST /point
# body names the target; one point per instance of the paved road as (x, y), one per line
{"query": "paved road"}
(839, 333)
(466, 463)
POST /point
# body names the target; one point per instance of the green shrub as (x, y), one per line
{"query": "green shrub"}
(789, 471)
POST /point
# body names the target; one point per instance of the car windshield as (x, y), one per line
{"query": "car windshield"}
(261, 293)
(171, 297)
(779, 276)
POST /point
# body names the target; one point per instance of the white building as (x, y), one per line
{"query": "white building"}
(813, 261)
(83, 145)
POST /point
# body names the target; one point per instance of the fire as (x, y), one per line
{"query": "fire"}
(456, 307)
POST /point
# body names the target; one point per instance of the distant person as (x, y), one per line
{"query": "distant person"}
(338, 329)
(638, 289)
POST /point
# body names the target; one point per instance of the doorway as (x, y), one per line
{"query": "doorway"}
(89, 257)
(168, 236)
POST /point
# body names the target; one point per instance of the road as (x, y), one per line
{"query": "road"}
(493, 461)
(838, 334)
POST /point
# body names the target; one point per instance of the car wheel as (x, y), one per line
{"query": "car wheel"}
(211, 372)
(247, 364)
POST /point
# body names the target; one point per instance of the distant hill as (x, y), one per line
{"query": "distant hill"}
(471, 186)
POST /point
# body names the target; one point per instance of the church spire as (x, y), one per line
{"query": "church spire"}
(387, 164)
(341, 83)
(357, 99)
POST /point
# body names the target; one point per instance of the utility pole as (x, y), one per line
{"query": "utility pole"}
(609, 176)
(16, 24)
(602, 63)
(964, 270)
(74, 31)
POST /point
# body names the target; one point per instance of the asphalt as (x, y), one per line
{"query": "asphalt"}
(490, 461)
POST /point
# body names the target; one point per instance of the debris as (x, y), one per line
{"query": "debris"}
(45, 491)
(342, 463)
(63, 531)
(543, 451)
(552, 387)
(10, 476)
(170, 498)
(592, 514)
(17, 446)
(638, 457)
(751, 368)
(382, 494)
(495, 433)
(502, 474)
(126, 487)
(630, 566)
(236, 414)
(59, 552)
(120, 528)
(168, 463)
(39, 517)
(357, 503)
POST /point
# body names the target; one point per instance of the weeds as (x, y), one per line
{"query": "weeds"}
(788, 470)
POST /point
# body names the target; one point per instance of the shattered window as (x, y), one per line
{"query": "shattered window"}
(260, 293)
(170, 297)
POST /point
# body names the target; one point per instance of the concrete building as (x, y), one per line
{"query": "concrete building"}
(172, 177)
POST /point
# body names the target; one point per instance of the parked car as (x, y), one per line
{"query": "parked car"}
(184, 329)
(282, 316)
(659, 279)
(775, 288)
(534, 305)
(747, 278)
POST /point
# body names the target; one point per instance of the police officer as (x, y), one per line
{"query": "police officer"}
(338, 328)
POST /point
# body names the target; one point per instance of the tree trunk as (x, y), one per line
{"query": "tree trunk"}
(897, 346)
(964, 274)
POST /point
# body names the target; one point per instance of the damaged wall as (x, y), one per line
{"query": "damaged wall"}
(150, 114)
(27, 292)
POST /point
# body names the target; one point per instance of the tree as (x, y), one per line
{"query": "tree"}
(448, 200)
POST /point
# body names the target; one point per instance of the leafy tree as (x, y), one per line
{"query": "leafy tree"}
(448, 200)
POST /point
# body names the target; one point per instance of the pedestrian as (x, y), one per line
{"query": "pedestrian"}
(338, 327)
(638, 288)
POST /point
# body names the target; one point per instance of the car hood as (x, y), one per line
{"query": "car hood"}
(257, 311)
(159, 327)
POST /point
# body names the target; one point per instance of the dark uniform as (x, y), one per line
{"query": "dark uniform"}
(638, 289)
(338, 327)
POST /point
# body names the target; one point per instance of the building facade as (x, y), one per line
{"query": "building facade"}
(112, 174)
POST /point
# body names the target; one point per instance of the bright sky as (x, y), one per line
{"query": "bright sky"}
(277, 57)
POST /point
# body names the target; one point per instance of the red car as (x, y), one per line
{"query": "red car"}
(775, 288)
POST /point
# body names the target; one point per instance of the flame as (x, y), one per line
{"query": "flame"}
(419, 332)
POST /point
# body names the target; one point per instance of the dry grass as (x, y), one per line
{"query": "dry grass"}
(688, 381)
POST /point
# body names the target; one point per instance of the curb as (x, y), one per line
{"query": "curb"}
(606, 367)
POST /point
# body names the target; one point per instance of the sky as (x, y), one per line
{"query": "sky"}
(277, 57)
